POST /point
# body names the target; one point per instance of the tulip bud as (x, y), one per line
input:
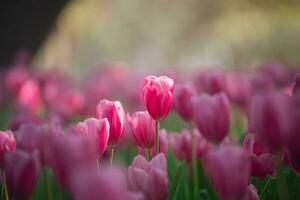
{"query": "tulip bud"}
(157, 94)
(143, 129)
(113, 111)
(181, 145)
(262, 162)
(220, 165)
(270, 117)
(97, 129)
(163, 144)
(22, 173)
(212, 116)
(211, 81)
(151, 178)
(29, 97)
(7, 144)
(182, 100)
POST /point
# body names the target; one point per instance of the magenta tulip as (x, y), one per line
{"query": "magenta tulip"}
(270, 118)
(221, 164)
(91, 184)
(157, 95)
(113, 111)
(22, 173)
(7, 144)
(151, 178)
(212, 116)
(252, 193)
(98, 129)
(262, 162)
(143, 129)
(181, 145)
(211, 81)
(163, 144)
(182, 100)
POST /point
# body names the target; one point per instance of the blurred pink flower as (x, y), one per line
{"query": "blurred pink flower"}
(221, 164)
(15, 77)
(7, 144)
(262, 162)
(210, 81)
(270, 118)
(68, 153)
(181, 145)
(29, 96)
(157, 95)
(114, 112)
(163, 144)
(151, 178)
(212, 116)
(252, 193)
(182, 100)
(143, 129)
(105, 183)
(98, 129)
(22, 173)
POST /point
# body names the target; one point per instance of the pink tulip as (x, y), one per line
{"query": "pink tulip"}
(22, 173)
(262, 162)
(113, 111)
(98, 129)
(157, 95)
(68, 153)
(212, 116)
(182, 100)
(270, 117)
(239, 89)
(15, 77)
(92, 184)
(29, 97)
(163, 144)
(151, 178)
(143, 129)
(221, 164)
(252, 193)
(211, 81)
(181, 145)
(7, 144)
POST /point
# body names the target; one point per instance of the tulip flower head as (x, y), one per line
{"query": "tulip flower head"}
(114, 112)
(270, 117)
(262, 162)
(97, 129)
(150, 178)
(143, 129)
(7, 143)
(220, 164)
(157, 94)
(182, 100)
(212, 116)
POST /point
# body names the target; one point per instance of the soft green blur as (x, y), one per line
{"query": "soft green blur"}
(189, 33)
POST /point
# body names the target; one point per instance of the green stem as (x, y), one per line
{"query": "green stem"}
(156, 137)
(194, 166)
(47, 186)
(148, 157)
(262, 193)
(111, 154)
(281, 182)
(5, 187)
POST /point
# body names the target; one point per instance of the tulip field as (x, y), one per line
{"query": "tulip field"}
(120, 134)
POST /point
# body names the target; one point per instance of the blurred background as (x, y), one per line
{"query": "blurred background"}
(78, 34)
